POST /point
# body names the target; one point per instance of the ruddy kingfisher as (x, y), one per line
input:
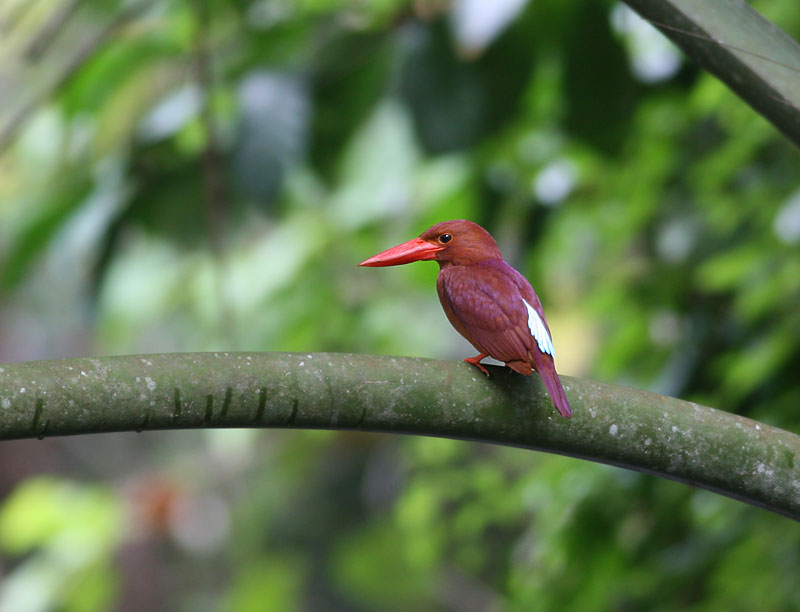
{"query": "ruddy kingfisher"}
(485, 299)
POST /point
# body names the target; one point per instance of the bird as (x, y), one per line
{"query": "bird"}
(487, 301)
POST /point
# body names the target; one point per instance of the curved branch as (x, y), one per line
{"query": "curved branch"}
(749, 54)
(722, 452)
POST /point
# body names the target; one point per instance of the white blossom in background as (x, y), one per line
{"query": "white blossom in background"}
(787, 222)
(652, 56)
(476, 23)
(676, 239)
(169, 115)
(555, 182)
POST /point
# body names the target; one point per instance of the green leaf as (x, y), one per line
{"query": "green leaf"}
(599, 90)
(47, 217)
(386, 579)
(80, 521)
(269, 584)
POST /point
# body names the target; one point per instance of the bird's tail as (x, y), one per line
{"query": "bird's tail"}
(547, 370)
(556, 391)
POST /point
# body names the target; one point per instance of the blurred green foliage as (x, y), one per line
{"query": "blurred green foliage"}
(74, 530)
(205, 175)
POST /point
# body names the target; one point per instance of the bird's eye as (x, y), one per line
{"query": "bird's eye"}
(445, 238)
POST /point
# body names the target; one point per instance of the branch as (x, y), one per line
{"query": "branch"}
(682, 441)
(216, 191)
(749, 54)
(52, 27)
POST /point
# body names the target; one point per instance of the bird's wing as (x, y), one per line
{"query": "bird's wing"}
(494, 307)
(537, 324)
(486, 307)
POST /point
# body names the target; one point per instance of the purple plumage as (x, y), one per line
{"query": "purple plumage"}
(486, 300)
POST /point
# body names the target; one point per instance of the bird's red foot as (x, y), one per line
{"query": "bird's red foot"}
(476, 361)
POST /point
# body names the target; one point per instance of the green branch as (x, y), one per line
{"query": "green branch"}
(748, 53)
(642, 431)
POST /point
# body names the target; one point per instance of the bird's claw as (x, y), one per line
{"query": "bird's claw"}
(476, 361)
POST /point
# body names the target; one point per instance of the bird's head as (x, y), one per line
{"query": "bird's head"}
(457, 242)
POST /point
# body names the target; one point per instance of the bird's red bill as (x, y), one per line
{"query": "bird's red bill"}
(413, 250)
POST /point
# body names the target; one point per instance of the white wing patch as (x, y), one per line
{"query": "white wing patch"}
(539, 331)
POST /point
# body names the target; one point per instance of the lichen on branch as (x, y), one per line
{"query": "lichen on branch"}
(629, 428)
